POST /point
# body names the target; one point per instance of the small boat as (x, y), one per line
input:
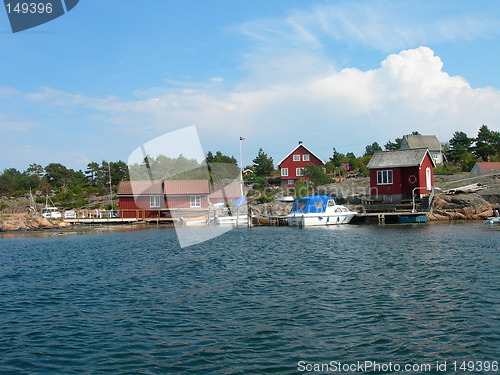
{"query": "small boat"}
(285, 199)
(412, 219)
(493, 220)
(318, 210)
(50, 212)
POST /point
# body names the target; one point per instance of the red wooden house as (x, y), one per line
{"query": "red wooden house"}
(140, 199)
(152, 199)
(292, 166)
(396, 175)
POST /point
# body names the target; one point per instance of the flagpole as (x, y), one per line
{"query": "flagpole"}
(241, 157)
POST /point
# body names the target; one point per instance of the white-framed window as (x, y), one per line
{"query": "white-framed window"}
(299, 172)
(195, 201)
(305, 157)
(296, 157)
(384, 177)
(284, 172)
(291, 182)
(154, 201)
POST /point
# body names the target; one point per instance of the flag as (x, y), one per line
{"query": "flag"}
(242, 139)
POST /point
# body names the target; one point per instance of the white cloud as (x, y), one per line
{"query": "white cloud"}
(346, 109)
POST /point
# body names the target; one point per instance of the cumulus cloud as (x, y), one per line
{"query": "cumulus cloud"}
(346, 109)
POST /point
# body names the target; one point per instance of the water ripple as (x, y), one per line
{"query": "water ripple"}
(255, 301)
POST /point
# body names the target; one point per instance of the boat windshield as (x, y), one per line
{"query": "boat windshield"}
(318, 205)
(331, 202)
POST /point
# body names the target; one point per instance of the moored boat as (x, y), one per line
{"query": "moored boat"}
(412, 219)
(318, 210)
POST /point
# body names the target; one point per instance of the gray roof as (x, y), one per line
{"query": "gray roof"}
(398, 158)
(421, 141)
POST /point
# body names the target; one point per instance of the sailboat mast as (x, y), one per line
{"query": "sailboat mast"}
(110, 192)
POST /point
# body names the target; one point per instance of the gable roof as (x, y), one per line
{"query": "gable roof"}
(398, 158)
(140, 188)
(488, 166)
(422, 141)
(299, 145)
(185, 187)
(232, 190)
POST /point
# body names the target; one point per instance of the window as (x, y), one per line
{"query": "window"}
(284, 172)
(384, 177)
(299, 172)
(296, 157)
(195, 201)
(154, 202)
(305, 157)
(291, 182)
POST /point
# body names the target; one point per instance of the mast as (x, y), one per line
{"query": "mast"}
(110, 191)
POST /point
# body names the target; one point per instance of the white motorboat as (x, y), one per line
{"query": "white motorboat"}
(318, 210)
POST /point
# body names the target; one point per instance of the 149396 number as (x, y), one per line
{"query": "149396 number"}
(29, 8)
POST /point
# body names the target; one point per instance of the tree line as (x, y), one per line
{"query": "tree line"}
(461, 152)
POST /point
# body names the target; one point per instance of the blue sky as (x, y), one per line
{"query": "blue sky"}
(111, 75)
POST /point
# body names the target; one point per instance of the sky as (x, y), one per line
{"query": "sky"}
(112, 75)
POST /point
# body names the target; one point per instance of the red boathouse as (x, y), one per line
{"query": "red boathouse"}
(395, 175)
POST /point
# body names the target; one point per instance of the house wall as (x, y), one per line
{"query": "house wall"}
(405, 179)
(293, 165)
(136, 207)
(184, 201)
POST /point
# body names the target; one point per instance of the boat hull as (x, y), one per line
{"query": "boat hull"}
(404, 219)
(318, 219)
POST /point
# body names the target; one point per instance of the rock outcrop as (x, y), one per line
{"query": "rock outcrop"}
(460, 207)
(17, 222)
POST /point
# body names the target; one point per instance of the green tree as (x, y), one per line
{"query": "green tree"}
(10, 181)
(396, 145)
(58, 175)
(316, 175)
(487, 143)
(91, 172)
(263, 164)
(459, 145)
(219, 157)
(301, 189)
(371, 149)
(336, 158)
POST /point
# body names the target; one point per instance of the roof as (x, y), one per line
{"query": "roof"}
(299, 145)
(398, 158)
(488, 166)
(422, 141)
(140, 188)
(186, 187)
(232, 190)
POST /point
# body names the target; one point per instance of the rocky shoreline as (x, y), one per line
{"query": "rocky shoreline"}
(445, 208)
(20, 222)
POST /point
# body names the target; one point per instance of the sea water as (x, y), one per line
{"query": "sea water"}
(265, 300)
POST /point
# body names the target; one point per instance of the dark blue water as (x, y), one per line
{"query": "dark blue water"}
(251, 301)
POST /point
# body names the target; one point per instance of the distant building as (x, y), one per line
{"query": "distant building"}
(485, 167)
(429, 142)
(292, 166)
(394, 175)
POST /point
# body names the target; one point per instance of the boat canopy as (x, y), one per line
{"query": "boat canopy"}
(313, 204)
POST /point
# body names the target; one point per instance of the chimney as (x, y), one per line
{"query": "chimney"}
(488, 159)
